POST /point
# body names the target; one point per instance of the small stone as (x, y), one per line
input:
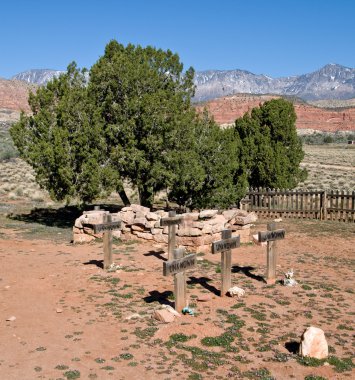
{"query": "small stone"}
(208, 214)
(11, 319)
(144, 235)
(278, 220)
(152, 216)
(229, 214)
(164, 316)
(127, 216)
(82, 238)
(156, 231)
(133, 316)
(189, 231)
(171, 310)
(140, 209)
(235, 291)
(313, 343)
(137, 227)
(204, 298)
(139, 221)
(127, 208)
(59, 310)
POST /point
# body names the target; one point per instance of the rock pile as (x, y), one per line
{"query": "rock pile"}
(197, 230)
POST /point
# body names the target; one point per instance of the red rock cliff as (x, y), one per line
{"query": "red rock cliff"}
(225, 110)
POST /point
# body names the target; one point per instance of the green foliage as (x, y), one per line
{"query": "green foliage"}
(310, 362)
(341, 365)
(270, 151)
(62, 139)
(204, 167)
(320, 138)
(223, 340)
(143, 97)
(7, 148)
(72, 374)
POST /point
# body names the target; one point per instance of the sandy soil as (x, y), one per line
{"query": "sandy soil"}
(75, 319)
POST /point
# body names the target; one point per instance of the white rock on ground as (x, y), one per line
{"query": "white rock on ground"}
(313, 343)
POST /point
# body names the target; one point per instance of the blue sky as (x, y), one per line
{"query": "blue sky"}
(271, 37)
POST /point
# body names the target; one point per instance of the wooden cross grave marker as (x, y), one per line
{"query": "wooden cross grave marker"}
(177, 267)
(106, 227)
(271, 235)
(171, 221)
(225, 246)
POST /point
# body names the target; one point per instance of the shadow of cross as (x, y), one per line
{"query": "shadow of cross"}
(204, 282)
(157, 254)
(247, 271)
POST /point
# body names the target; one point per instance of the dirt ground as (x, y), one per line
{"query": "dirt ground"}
(75, 320)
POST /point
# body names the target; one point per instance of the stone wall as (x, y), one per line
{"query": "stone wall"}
(196, 232)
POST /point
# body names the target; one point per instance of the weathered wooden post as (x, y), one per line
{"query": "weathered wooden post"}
(177, 267)
(107, 243)
(171, 222)
(270, 236)
(106, 227)
(225, 246)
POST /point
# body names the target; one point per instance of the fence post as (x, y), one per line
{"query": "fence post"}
(324, 203)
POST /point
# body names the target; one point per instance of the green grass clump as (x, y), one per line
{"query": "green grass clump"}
(341, 365)
(223, 340)
(310, 362)
(178, 338)
(126, 356)
(72, 374)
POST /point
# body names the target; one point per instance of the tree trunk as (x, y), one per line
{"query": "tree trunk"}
(146, 196)
(122, 193)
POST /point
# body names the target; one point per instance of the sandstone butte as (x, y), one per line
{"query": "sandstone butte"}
(226, 109)
(14, 95)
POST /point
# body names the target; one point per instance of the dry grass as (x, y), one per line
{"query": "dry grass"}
(17, 181)
(330, 166)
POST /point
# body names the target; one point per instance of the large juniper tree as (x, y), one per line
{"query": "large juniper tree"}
(271, 151)
(62, 139)
(143, 96)
(205, 167)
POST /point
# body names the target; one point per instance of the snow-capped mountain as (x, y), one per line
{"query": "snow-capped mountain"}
(330, 82)
(37, 76)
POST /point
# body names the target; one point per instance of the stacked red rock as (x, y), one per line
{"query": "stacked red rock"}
(82, 233)
(196, 232)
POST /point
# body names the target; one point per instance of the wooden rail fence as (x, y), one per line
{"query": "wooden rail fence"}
(323, 205)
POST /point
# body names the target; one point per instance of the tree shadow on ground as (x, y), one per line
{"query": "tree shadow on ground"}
(98, 263)
(158, 254)
(203, 281)
(247, 272)
(292, 347)
(62, 217)
(161, 297)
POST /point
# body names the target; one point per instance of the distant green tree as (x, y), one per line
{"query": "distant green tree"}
(62, 140)
(143, 97)
(271, 151)
(328, 139)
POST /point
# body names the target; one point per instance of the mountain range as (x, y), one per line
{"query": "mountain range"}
(332, 81)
